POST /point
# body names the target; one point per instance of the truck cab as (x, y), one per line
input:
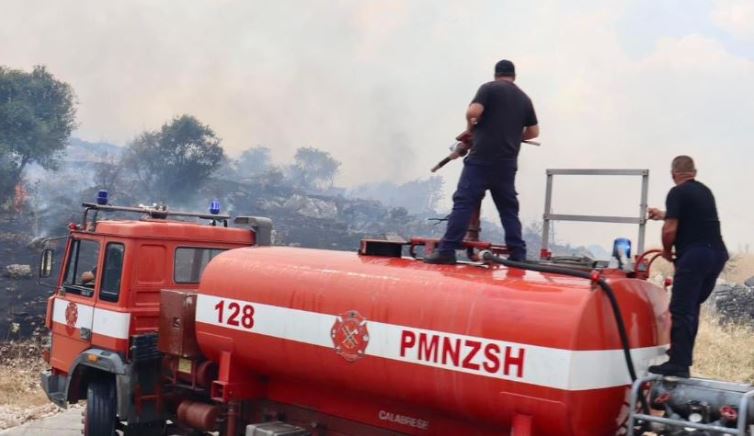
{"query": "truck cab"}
(103, 316)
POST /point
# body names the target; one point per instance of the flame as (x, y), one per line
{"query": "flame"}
(20, 197)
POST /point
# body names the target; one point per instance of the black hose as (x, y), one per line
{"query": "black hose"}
(490, 257)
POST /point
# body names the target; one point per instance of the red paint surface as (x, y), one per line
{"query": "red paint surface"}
(508, 305)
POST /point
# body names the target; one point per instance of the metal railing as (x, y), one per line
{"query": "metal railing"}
(641, 220)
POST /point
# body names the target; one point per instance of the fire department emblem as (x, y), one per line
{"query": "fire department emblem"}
(350, 335)
(71, 316)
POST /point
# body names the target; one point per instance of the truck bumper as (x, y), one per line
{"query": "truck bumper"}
(54, 386)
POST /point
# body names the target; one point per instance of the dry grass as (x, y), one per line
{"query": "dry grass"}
(739, 268)
(19, 382)
(21, 397)
(724, 352)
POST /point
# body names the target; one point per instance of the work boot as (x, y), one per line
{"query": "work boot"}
(440, 258)
(670, 369)
(517, 255)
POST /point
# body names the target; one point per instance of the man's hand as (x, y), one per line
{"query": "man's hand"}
(668, 255)
(87, 277)
(460, 150)
(655, 214)
(466, 137)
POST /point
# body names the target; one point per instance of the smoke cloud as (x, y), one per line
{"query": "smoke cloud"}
(383, 85)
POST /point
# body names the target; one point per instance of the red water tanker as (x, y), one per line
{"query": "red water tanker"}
(364, 344)
(207, 328)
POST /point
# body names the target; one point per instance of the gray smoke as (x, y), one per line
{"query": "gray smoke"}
(383, 85)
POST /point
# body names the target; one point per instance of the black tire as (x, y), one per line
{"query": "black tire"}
(99, 415)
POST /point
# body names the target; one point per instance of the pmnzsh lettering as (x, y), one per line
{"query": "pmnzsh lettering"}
(474, 355)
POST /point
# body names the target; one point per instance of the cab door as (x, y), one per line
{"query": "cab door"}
(112, 318)
(73, 305)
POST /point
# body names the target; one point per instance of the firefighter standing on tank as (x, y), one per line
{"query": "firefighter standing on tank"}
(499, 117)
(692, 226)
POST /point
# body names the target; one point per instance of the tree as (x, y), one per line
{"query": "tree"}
(37, 115)
(108, 174)
(254, 161)
(174, 161)
(313, 168)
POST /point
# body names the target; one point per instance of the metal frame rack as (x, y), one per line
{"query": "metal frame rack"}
(641, 220)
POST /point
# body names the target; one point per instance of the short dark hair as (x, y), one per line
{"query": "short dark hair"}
(683, 164)
(505, 68)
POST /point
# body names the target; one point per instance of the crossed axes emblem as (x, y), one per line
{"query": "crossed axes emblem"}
(350, 335)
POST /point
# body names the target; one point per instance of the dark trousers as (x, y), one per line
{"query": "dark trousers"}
(475, 180)
(696, 272)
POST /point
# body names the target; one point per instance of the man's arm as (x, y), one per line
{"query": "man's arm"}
(673, 211)
(669, 233)
(531, 124)
(530, 132)
(473, 113)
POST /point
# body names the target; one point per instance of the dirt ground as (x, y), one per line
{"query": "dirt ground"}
(21, 398)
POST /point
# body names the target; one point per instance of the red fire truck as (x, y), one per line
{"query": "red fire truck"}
(105, 312)
(172, 326)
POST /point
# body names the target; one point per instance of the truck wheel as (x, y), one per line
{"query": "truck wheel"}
(99, 415)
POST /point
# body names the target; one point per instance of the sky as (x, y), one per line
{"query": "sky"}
(383, 85)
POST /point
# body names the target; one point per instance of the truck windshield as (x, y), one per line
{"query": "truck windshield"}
(190, 262)
(81, 270)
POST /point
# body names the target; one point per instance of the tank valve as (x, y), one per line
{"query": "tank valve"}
(595, 277)
(198, 415)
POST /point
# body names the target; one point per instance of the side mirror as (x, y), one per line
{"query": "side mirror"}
(46, 263)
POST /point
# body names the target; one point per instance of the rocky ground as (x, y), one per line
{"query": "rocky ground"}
(734, 303)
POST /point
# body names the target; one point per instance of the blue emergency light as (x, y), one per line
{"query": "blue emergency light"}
(214, 207)
(622, 251)
(622, 248)
(102, 198)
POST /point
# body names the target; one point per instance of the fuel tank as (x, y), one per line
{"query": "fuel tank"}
(397, 344)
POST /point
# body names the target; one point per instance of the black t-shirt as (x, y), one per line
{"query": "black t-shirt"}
(693, 205)
(507, 110)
